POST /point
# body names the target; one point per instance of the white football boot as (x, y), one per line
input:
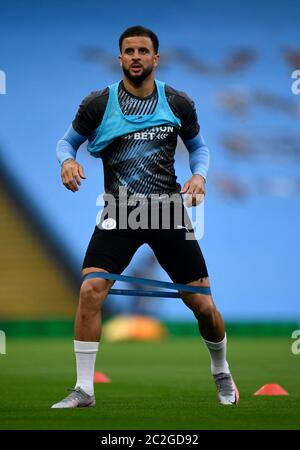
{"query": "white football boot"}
(77, 399)
(227, 391)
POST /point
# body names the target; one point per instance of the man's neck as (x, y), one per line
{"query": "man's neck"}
(143, 90)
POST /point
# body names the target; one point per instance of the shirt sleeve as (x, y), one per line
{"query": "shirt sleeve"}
(184, 108)
(198, 155)
(189, 121)
(90, 113)
(68, 145)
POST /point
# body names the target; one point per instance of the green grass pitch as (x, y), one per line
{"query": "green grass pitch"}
(161, 385)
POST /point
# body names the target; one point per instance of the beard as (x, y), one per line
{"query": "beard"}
(137, 79)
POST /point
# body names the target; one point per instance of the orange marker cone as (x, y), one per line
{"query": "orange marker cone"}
(99, 377)
(271, 389)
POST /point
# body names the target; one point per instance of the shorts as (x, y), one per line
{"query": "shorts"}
(112, 250)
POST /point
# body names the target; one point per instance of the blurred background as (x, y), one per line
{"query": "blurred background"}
(235, 60)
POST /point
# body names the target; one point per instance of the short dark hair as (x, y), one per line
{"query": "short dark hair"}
(138, 30)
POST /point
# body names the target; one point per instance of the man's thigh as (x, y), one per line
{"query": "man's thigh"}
(111, 250)
(182, 259)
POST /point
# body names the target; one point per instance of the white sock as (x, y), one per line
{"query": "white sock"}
(85, 353)
(217, 351)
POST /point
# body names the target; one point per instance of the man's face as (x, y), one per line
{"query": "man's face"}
(138, 58)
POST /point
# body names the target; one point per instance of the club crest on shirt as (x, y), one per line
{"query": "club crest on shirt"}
(109, 224)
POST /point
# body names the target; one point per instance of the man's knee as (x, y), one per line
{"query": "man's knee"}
(202, 306)
(93, 292)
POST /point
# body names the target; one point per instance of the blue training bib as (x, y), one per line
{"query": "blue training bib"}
(115, 124)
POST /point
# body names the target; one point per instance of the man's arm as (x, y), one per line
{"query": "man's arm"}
(198, 155)
(67, 146)
(199, 163)
(184, 108)
(66, 150)
(88, 118)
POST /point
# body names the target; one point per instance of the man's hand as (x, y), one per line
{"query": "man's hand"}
(194, 189)
(71, 172)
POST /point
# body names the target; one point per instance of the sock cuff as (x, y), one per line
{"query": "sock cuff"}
(85, 347)
(216, 345)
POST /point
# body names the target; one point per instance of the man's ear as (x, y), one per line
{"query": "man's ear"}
(120, 60)
(156, 60)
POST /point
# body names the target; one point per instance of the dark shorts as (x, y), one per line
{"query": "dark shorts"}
(112, 250)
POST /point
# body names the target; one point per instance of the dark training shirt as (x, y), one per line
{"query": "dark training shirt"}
(142, 161)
